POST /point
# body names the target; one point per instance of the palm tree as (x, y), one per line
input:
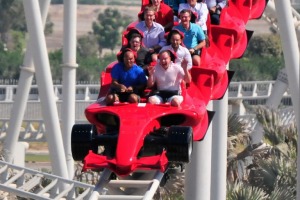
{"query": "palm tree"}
(270, 166)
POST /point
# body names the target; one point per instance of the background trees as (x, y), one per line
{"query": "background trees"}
(262, 60)
(108, 28)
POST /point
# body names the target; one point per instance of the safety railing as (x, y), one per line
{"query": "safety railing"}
(89, 92)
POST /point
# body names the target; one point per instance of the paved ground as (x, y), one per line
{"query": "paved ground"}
(86, 14)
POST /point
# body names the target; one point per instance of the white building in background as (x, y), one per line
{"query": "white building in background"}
(296, 4)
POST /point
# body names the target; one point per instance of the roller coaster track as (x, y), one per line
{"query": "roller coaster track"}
(270, 16)
(34, 184)
(140, 185)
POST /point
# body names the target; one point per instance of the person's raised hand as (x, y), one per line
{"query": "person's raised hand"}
(151, 70)
(184, 64)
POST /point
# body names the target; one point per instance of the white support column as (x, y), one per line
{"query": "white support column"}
(273, 102)
(291, 57)
(69, 79)
(280, 87)
(20, 103)
(45, 84)
(198, 172)
(219, 149)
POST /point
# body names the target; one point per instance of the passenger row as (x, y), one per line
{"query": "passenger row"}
(152, 58)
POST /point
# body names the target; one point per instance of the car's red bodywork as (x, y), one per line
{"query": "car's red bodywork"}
(209, 82)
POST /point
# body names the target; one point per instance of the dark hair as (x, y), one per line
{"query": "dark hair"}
(120, 55)
(141, 14)
(173, 32)
(171, 53)
(135, 35)
(193, 15)
(131, 31)
(149, 8)
(186, 11)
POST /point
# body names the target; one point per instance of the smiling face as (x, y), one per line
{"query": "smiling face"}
(149, 17)
(176, 40)
(165, 59)
(135, 43)
(128, 59)
(185, 18)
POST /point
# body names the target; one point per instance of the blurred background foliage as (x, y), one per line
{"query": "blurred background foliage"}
(262, 60)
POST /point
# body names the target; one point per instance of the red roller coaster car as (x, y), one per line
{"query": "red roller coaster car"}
(127, 137)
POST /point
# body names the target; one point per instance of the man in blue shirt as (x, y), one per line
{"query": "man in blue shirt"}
(194, 37)
(128, 80)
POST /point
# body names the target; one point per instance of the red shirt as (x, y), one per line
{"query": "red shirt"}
(164, 15)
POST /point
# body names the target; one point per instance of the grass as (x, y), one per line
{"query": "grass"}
(37, 158)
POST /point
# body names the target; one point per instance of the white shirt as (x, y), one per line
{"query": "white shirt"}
(212, 3)
(182, 53)
(201, 10)
(168, 79)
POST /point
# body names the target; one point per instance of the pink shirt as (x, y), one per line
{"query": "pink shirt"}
(168, 79)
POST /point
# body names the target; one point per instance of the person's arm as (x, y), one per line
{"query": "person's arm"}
(200, 45)
(188, 58)
(162, 40)
(201, 38)
(221, 3)
(150, 81)
(142, 83)
(115, 84)
(115, 72)
(187, 76)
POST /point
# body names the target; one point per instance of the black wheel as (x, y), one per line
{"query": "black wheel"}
(180, 144)
(82, 140)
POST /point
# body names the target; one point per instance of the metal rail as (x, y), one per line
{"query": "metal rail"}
(33, 184)
(138, 186)
(89, 92)
(38, 185)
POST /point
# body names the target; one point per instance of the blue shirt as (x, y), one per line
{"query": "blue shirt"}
(193, 36)
(133, 77)
(154, 36)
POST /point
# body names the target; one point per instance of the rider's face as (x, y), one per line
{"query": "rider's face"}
(129, 59)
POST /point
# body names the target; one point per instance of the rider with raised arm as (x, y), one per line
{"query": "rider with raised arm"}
(167, 76)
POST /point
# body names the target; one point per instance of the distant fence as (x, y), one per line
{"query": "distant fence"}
(251, 93)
